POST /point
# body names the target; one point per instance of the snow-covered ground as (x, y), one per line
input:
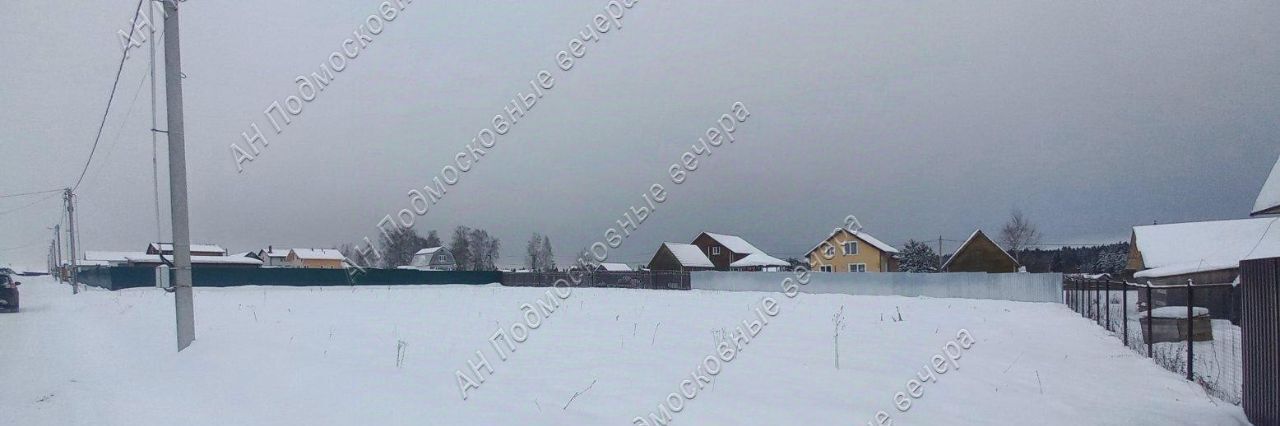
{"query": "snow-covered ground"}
(1218, 363)
(317, 356)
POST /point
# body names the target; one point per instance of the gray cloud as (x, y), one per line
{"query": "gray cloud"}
(922, 119)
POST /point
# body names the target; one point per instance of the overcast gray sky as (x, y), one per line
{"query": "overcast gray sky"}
(921, 118)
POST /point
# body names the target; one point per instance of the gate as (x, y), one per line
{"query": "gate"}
(1260, 286)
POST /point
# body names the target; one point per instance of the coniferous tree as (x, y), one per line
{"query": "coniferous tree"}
(918, 257)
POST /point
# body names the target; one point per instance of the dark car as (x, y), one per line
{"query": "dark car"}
(8, 292)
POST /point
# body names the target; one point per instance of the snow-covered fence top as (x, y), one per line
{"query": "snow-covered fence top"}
(1018, 287)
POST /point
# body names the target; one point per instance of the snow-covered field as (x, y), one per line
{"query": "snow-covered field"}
(316, 356)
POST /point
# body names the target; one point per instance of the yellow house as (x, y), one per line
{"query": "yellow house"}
(315, 258)
(846, 251)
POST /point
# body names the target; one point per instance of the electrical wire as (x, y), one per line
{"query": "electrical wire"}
(31, 193)
(2, 213)
(106, 112)
(119, 130)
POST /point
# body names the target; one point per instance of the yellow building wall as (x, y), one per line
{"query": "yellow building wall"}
(867, 254)
(331, 264)
(313, 263)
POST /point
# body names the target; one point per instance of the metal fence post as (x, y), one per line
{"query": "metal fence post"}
(1097, 304)
(1108, 302)
(1191, 331)
(1124, 312)
(1151, 307)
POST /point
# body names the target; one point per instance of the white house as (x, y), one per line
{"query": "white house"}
(432, 259)
(272, 258)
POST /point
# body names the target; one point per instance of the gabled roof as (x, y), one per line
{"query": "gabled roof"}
(317, 254)
(758, 259)
(1184, 248)
(879, 245)
(734, 243)
(1269, 198)
(689, 255)
(430, 250)
(274, 253)
(977, 235)
(615, 267)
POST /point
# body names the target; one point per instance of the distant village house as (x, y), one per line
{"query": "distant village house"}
(432, 259)
(846, 251)
(731, 252)
(680, 257)
(979, 254)
(315, 258)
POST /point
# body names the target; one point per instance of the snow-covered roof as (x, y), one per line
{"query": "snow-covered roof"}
(970, 240)
(615, 267)
(689, 255)
(203, 248)
(734, 243)
(1184, 248)
(1269, 198)
(274, 253)
(758, 259)
(318, 254)
(197, 260)
(109, 256)
(431, 250)
(879, 245)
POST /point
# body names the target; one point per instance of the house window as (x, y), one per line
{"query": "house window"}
(825, 268)
(830, 251)
(857, 267)
(715, 250)
(850, 248)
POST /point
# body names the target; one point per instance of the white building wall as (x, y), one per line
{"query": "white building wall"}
(1018, 287)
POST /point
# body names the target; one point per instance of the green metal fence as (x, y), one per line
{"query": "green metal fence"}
(122, 277)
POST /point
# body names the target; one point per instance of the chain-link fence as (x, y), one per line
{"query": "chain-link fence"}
(1172, 325)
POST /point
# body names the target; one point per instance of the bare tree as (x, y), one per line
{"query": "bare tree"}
(399, 246)
(484, 250)
(534, 258)
(461, 248)
(353, 255)
(1018, 234)
(433, 239)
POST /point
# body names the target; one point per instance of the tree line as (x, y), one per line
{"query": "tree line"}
(472, 249)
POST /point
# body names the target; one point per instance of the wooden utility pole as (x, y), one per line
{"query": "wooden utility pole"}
(184, 308)
(57, 251)
(70, 199)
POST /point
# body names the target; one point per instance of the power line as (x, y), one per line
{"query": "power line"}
(31, 193)
(123, 55)
(2, 213)
(125, 121)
